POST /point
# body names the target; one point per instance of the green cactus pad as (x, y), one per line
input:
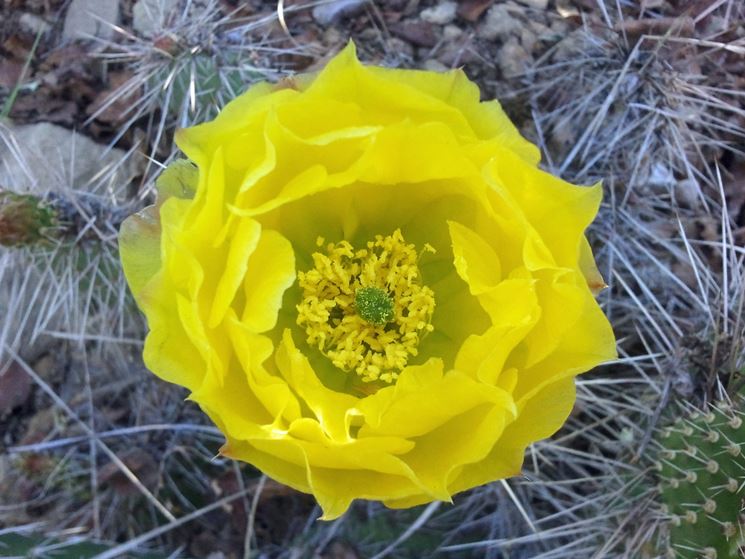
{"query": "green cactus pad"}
(24, 219)
(701, 464)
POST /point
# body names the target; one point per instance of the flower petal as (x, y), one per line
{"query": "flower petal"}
(474, 259)
(515, 311)
(271, 270)
(560, 212)
(328, 406)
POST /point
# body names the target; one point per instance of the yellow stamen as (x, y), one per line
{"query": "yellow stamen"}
(366, 309)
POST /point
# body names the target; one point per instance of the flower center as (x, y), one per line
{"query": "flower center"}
(366, 309)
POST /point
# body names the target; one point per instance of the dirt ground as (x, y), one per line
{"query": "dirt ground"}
(646, 96)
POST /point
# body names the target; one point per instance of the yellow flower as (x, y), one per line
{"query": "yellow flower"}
(368, 285)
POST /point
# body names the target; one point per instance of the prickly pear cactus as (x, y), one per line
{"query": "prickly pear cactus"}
(29, 219)
(701, 467)
(24, 219)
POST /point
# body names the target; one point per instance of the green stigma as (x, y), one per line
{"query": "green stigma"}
(374, 305)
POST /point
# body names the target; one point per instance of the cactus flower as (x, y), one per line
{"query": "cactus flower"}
(364, 279)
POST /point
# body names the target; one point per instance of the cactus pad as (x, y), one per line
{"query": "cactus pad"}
(701, 465)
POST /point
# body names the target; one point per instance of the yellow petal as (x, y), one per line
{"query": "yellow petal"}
(590, 270)
(271, 270)
(165, 352)
(587, 344)
(139, 248)
(302, 167)
(273, 393)
(541, 417)
(468, 438)
(336, 492)
(514, 309)
(328, 406)
(456, 421)
(285, 460)
(437, 398)
(486, 119)
(409, 152)
(234, 406)
(560, 212)
(474, 259)
(200, 142)
(382, 101)
(179, 179)
(293, 472)
(242, 246)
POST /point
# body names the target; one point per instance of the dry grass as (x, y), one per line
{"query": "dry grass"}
(107, 453)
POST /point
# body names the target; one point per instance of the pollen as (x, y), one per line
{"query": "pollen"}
(366, 309)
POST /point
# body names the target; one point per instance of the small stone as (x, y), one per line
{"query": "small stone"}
(332, 36)
(434, 65)
(567, 9)
(688, 191)
(571, 46)
(513, 59)
(58, 158)
(560, 27)
(535, 4)
(471, 10)
(541, 30)
(34, 23)
(149, 17)
(457, 53)
(498, 24)
(528, 39)
(451, 32)
(400, 47)
(331, 12)
(91, 18)
(442, 14)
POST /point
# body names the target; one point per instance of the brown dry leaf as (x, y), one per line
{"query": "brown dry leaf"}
(340, 550)
(114, 108)
(10, 72)
(681, 26)
(43, 108)
(142, 465)
(734, 191)
(15, 388)
(39, 426)
(419, 33)
(471, 10)
(18, 45)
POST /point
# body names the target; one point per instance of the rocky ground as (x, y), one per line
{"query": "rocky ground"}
(646, 96)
